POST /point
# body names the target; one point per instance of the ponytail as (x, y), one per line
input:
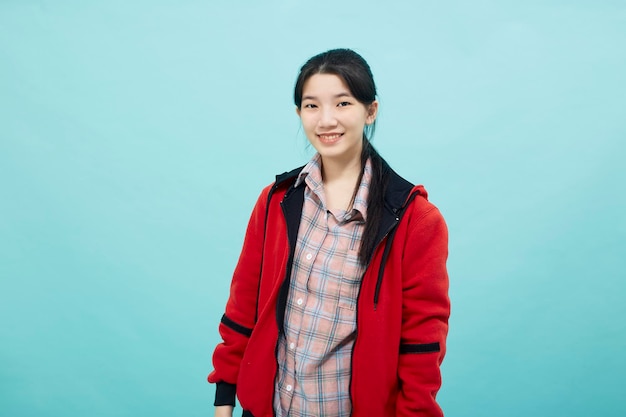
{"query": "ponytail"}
(375, 198)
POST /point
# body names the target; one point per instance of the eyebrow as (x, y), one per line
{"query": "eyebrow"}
(344, 94)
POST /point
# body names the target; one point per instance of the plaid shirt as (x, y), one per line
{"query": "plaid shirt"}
(314, 355)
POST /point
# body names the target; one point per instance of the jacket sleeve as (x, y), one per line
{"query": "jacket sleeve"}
(239, 318)
(425, 312)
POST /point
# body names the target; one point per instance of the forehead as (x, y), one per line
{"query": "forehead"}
(323, 85)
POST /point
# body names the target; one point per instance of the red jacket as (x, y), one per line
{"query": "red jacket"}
(402, 307)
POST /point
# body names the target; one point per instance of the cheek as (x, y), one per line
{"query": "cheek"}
(307, 122)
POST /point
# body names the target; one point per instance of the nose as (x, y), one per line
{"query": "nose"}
(327, 118)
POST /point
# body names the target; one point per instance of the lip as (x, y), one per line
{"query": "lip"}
(330, 137)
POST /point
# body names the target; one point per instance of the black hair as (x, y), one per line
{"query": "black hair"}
(356, 73)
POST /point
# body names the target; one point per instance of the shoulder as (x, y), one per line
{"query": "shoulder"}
(424, 220)
(414, 200)
(288, 176)
(280, 185)
(398, 190)
(283, 181)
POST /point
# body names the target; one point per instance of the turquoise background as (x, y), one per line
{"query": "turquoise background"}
(135, 137)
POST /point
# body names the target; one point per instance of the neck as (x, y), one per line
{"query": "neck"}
(341, 170)
(340, 182)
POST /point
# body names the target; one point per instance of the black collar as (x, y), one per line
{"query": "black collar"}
(397, 193)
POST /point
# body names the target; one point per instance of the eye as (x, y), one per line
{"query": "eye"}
(344, 104)
(309, 106)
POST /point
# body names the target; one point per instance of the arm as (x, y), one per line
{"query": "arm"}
(425, 312)
(239, 318)
(224, 411)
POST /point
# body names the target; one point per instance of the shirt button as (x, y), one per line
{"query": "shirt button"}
(299, 301)
(308, 256)
(292, 345)
(289, 387)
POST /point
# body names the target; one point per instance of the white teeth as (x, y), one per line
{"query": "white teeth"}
(329, 137)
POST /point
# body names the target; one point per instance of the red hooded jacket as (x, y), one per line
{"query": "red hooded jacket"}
(402, 307)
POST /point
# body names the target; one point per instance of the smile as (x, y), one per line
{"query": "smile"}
(330, 138)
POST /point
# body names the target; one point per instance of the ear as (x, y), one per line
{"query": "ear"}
(298, 111)
(372, 112)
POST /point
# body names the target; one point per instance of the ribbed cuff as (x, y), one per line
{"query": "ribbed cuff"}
(225, 394)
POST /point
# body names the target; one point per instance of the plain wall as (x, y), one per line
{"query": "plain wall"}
(136, 136)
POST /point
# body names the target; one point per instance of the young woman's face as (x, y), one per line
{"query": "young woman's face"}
(333, 120)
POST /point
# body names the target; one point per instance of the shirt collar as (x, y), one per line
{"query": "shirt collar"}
(360, 200)
(311, 174)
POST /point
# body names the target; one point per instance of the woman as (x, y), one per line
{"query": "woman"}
(339, 303)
